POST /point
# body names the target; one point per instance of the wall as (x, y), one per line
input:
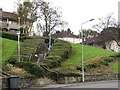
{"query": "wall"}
(29, 82)
(112, 45)
(119, 11)
(88, 78)
(71, 40)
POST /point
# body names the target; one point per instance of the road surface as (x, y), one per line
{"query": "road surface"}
(111, 84)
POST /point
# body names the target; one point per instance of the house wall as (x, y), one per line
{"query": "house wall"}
(119, 11)
(71, 40)
(112, 45)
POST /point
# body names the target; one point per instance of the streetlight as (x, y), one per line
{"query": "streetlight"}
(83, 50)
(49, 48)
(18, 33)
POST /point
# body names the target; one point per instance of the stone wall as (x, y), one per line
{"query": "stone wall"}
(28, 82)
(31, 82)
(98, 77)
(67, 80)
(88, 78)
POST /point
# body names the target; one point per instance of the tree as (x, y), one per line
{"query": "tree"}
(88, 33)
(105, 23)
(49, 17)
(27, 13)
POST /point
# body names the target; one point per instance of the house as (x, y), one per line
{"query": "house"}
(108, 39)
(119, 11)
(8, 21)
(67, 36)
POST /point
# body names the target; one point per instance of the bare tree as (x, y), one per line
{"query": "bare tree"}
(88, 34)
(105, 22)
(50, 17)
(27, 13)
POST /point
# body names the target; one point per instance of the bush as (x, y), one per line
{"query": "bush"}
(52, 63)
(93, 65)
(57, 58)
(80, 67)
(104, 63)
(108, 59)
(12, 61)
(9, 35)
(87, 66)
(59, 52)
(56, 74)
(31, 68)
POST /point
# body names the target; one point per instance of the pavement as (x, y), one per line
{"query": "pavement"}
(96, 84)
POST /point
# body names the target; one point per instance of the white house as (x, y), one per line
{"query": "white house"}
(71, 40)
(119, 11)
(112, 45)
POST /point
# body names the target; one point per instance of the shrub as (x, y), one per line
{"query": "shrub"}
(31, 68)
(56, 74)
(93, 65)
(80, 67)
(59, 52)
(9, 35)
(12, 61)
(108, 59)
(104, 63)
(87, 66)
(57, 58)
(115, 55)
(52, 63)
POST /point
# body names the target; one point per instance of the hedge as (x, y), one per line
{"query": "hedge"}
(59, 52)
(9, 35)
(31, 68)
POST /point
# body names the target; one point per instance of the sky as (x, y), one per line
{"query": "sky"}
(75, 12)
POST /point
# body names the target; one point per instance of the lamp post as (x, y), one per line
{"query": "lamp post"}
(18, 33)
(49, 48)
(83, 76)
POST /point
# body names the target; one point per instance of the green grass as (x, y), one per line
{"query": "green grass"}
(9, 48)
(115, 67)
(89, 53)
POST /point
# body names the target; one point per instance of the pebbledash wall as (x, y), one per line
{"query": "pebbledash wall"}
(29, 82)
(119, 11)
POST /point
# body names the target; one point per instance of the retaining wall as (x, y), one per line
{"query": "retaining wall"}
(31, 82)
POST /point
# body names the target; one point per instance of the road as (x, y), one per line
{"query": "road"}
(96, 85)
(100, 84)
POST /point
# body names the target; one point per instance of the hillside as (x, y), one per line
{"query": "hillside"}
(96, 60)
(9, 48)
(89, 53)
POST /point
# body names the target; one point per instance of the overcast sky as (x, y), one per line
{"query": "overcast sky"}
(76, 12)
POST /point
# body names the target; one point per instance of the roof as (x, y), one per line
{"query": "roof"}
(106, 35)
(63, 34)
(8, 15)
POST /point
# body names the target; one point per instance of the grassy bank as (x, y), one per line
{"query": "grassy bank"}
(116, 67)
(9, 48)
(89, 53)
